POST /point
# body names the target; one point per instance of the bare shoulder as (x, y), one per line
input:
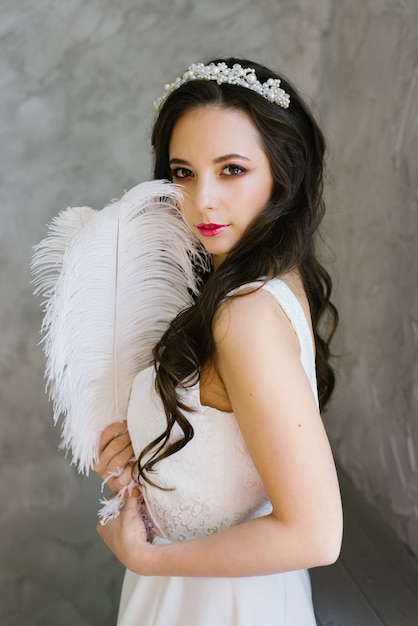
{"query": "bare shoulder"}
(252, 313)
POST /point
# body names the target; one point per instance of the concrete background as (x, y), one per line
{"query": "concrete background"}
(77, 83)
(369, 103)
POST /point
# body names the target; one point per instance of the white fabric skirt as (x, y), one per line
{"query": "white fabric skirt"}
(273, 600)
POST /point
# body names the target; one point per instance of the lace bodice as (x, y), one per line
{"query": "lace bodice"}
(212, 481)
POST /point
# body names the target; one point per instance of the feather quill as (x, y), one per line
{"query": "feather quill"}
(111, 280)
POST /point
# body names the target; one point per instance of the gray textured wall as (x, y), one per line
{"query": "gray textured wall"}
(77, 84)
(369, 101)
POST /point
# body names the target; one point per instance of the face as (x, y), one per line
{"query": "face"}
(217, 156)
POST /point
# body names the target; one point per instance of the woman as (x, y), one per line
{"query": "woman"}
(233, 460)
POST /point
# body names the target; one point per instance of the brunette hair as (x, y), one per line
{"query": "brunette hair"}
(280, 239)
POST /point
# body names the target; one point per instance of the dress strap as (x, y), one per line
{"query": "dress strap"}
(294, 311)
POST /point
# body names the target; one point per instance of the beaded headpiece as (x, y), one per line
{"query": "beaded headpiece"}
(235, 75)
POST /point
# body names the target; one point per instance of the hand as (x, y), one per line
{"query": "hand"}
(126, 535)
(115, 455)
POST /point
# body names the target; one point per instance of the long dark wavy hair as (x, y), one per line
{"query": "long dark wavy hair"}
(281, 238)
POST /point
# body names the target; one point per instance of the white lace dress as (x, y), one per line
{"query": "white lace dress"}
(215, 486)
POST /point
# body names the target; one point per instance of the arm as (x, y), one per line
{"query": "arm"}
(257, 357)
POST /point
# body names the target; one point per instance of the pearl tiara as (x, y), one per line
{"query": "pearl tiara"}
(235, 75)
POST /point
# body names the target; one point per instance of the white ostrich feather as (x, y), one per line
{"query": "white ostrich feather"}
(112, 280)
(49, 253)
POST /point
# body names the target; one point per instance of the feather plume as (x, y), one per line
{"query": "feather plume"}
(49, 253)
(112, 280)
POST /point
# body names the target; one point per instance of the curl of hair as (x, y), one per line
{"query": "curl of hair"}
(281, 238)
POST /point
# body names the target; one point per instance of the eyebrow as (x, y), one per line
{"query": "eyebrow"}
(220, 159)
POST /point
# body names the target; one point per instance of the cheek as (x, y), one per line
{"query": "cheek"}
(259, 191)
(256, 201)
(186, 212)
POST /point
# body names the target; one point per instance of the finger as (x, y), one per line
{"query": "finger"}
(130, 505)
(116, 472)
(112, 441)
(111, 432)
(116, 454)
(115, 483)
(126, 476)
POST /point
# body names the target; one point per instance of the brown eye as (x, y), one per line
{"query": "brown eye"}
(181, 172)
(233, 170)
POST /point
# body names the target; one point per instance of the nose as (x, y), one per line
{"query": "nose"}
(204, 195)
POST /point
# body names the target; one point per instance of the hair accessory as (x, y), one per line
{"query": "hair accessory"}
(235, 75)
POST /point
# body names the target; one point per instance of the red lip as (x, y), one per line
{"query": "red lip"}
(210, 230)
